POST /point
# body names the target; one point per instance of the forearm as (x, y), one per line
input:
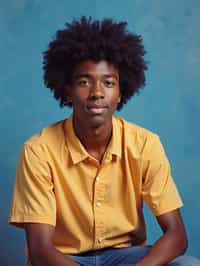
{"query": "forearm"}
(50, 256)
(165, 249)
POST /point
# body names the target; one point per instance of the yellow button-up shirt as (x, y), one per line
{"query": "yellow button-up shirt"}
(92, 205)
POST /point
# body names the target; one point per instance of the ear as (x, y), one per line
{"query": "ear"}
(67, 94)
(68, 98)
(119, 98)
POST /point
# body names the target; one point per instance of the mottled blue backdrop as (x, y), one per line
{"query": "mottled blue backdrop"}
(168, 105)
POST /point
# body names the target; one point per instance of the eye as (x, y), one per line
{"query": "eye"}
(83, 82)
(109, 83)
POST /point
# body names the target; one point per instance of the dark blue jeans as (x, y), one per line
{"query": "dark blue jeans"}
(125, 257)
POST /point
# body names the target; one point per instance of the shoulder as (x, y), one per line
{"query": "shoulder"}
(49, 139)
(137, 139)
(134, 130)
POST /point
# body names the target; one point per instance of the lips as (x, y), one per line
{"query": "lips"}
(96, 109)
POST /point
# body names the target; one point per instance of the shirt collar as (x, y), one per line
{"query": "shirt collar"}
(78, 152)
(115, 145)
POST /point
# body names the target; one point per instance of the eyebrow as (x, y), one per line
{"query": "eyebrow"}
(86, 75)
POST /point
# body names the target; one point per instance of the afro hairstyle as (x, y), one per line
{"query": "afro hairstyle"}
(96, 40)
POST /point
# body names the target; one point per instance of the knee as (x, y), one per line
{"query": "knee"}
(185, 261)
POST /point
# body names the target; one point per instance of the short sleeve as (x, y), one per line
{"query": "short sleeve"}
(158, 188)
(33, 195)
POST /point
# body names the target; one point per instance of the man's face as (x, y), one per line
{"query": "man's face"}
(95, 92)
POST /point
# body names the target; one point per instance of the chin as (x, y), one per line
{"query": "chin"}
(97, 121)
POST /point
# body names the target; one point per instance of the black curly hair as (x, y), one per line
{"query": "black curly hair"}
(96, 40)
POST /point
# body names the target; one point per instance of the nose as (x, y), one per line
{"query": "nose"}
(96, 91)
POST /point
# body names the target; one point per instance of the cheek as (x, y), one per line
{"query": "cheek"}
(79, 96)
(114, 97)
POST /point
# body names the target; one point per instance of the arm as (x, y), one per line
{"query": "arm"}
(41, 249)
(171, 244)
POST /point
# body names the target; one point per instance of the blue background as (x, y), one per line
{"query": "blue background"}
(168, 105)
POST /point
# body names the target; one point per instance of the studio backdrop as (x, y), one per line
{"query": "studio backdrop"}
(168, 105)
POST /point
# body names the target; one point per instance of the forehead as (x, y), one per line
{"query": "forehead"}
(95, 68)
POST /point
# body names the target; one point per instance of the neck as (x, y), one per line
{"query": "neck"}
(94, 139)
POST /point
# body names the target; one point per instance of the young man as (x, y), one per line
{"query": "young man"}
(81, 182)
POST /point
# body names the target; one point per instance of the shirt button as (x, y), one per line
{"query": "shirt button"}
(97, 179)
(100, 239)
(155, 205)
(98, 204)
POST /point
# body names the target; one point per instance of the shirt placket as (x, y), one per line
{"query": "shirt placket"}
(99, 212)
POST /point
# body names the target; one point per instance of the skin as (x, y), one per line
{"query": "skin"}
(41, 249)
(95, 94)
(171, 244)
